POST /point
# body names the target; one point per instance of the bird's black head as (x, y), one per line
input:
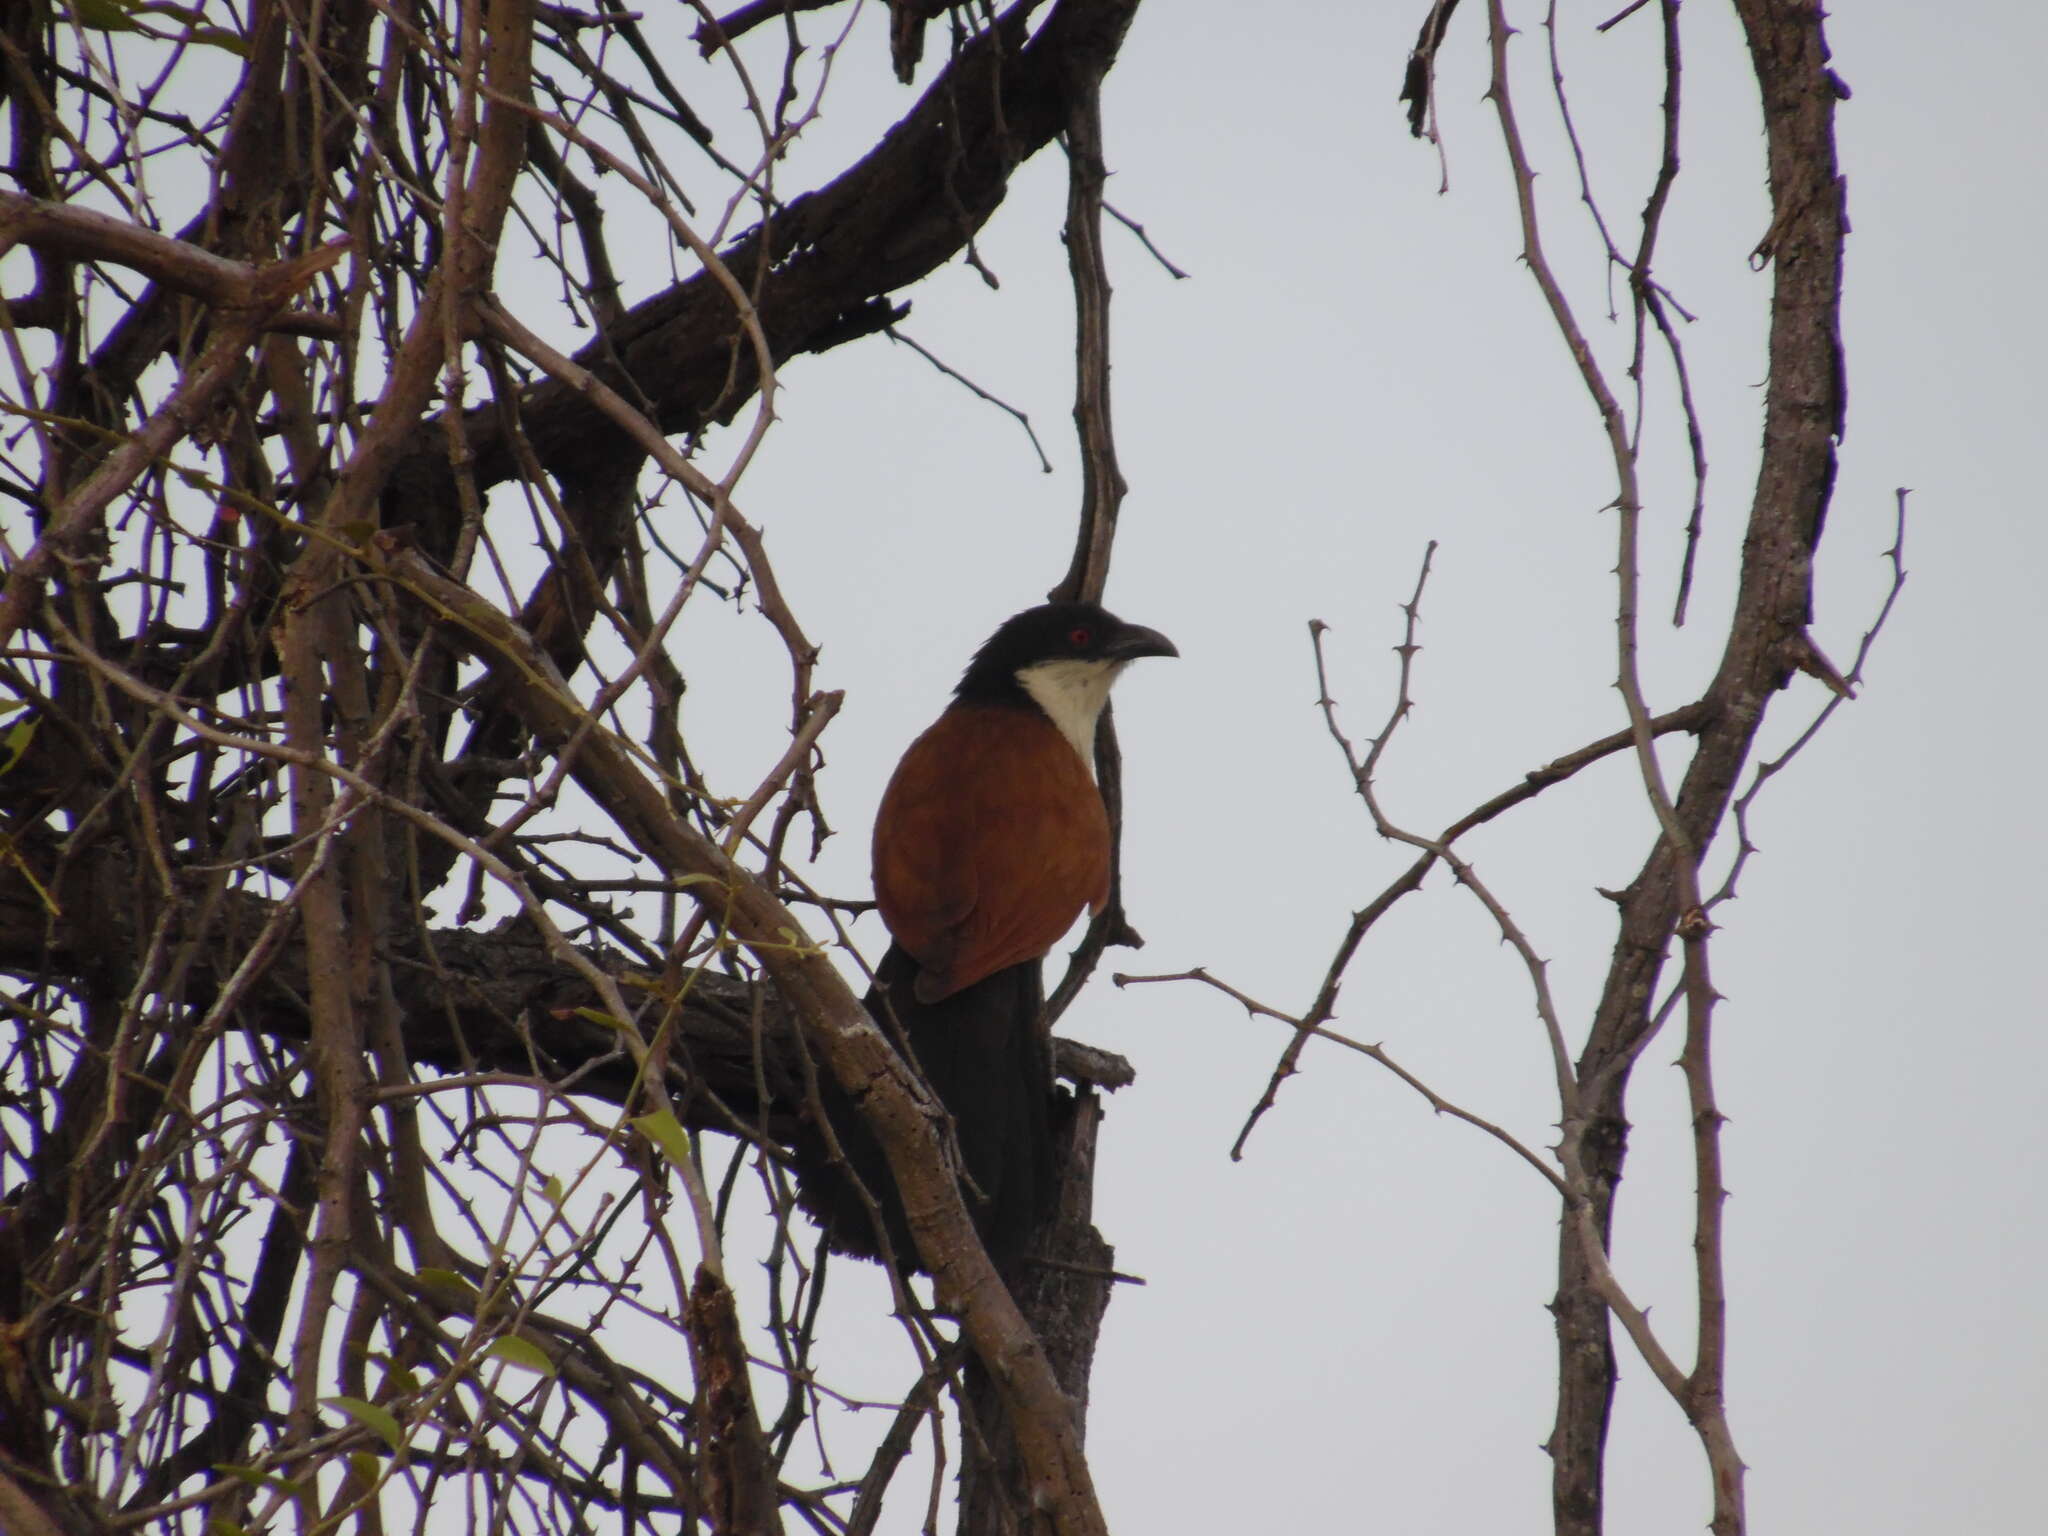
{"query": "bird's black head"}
(1091, 637)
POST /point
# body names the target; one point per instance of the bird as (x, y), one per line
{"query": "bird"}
(990, 839)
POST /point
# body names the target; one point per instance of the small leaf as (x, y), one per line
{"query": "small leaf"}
(16, 741)
(449, 1288)
(517, 1351)
(666, 1132)
(256, 1478)
(379, 1420)
(222, 38)
(103, 15)
(221, 1525)
(598, 1016)
(553, 1192)
(368, 1468)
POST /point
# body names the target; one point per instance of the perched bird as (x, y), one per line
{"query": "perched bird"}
(990, 839)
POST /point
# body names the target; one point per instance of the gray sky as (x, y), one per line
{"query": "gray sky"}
(1347, 1328)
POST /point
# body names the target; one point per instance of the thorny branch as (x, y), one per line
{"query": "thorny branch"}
(1437, 1101)
(1102, 495)
(1768, 643)
(1435, 850)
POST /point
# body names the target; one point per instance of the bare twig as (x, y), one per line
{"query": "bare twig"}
(1362, 922)
(1024, 421)
(1143, 239)
(1437, 1102)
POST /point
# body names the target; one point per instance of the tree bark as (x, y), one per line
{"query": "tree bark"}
(1805, 403)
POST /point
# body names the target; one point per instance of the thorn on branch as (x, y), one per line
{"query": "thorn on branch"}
(1090, 1271)
(1807, 657)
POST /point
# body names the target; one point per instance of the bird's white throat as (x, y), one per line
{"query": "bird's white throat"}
(1072, 693)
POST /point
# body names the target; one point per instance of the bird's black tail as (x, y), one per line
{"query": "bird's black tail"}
(987, 1059)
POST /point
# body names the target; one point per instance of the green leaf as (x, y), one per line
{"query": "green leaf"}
(221, 1525)
(554, 1192)
(16, 741)
(666, 1132)
(517, 1351)
(449, 1288)
(104, 15)
(256, 1478)
(381, 1421)
(368, 1468)
(599, 1016)
(222, 38)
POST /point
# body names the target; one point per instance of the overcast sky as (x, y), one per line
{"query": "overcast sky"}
(1346, 1330)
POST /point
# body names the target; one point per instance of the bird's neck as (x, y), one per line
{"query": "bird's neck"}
(1071, 694)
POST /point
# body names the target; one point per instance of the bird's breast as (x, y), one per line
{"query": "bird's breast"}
(990, 840)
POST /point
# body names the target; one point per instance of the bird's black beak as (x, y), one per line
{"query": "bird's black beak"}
(1134, 640)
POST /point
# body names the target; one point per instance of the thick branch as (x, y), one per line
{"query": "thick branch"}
(472, 1001)
(1803, 415)
(821, 268)
(87, 235)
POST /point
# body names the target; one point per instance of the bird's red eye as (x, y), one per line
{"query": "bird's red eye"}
(1079, 636)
